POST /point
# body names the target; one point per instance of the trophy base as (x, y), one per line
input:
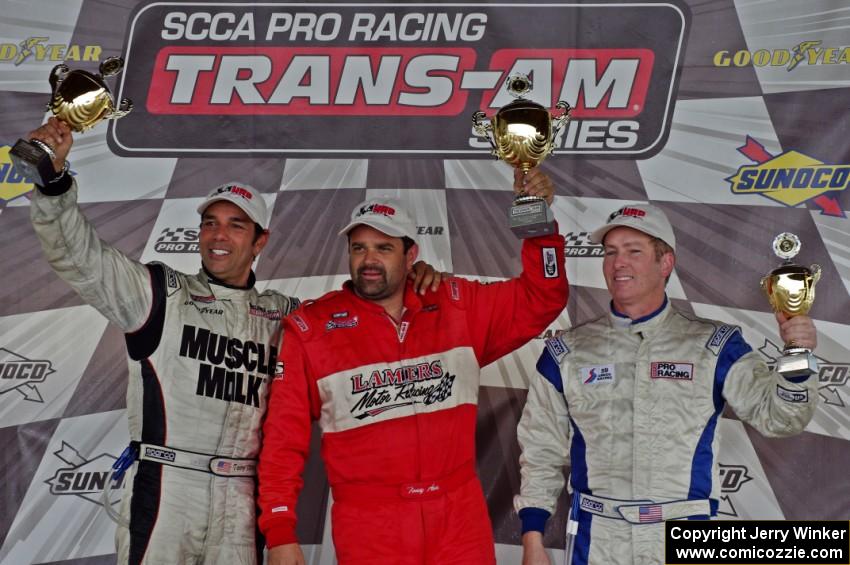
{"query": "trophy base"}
(32, 162)
(530, 216)
(796, 362)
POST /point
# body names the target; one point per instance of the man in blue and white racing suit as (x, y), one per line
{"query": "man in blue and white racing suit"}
(631, 402)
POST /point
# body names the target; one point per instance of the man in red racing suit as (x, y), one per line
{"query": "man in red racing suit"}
(396, 400)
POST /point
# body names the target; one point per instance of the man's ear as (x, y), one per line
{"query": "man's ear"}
(668, 262)
(261, 242)
(411, 256)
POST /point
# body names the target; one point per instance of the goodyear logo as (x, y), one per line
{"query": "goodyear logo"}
(790, 178)
(810, 52)
(12, 183)
(40, 49)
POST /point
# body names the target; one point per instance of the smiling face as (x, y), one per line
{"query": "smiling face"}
(634, 275)
(228, 244)
(378, 263)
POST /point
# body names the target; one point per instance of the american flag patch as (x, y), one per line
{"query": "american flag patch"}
(649, 513)
(224, 466)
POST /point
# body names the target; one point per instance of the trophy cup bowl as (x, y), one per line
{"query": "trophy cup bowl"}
(81, 100)
(790, 289)
(522, 134)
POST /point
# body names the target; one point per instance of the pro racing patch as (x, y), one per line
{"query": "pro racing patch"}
(671, 370)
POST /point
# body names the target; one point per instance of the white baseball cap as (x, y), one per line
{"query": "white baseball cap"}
(385, 215)
(245, 196)
(646, 218)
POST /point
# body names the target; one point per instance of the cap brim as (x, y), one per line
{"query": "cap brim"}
(389, 230)
(206, 204)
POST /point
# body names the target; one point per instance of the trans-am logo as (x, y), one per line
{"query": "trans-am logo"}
(790, 178)
(36, 48)
(809, 52)
(19, 374)
(390, 78)
(86, 478)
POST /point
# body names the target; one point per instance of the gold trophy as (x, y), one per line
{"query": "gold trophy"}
(790, 289)
(81, 100)
(522, 134)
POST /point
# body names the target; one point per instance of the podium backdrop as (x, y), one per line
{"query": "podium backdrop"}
(731, 115)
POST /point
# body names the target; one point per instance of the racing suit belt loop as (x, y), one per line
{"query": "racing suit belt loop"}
(643, 511)
(420, 490)
(220, 466)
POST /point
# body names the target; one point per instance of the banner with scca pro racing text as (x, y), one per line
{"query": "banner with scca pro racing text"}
(392, 79)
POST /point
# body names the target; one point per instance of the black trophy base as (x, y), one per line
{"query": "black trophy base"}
(796, 362)
(530, 216)
(32, 162)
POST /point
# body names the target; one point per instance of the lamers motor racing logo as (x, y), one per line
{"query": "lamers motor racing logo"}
(391, 388)
(393, 78)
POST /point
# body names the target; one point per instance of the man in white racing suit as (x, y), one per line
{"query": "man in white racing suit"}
(631, 402)
(202, 351)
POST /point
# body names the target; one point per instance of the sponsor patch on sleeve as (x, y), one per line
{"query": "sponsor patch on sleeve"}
(557, 348)
(172, 281)
(671, 370)
(719, 337)
(454, 290)
(299, 321)
(788, 395)
(550, 263)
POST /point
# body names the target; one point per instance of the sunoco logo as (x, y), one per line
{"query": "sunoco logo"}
(21, 375)
(832, 376)
(578, 244)
(309, 69)
(790, 178)
(12, 183)
(732, 478)
(83, 477)
(177, 240)
(40, 49)
(809, 52)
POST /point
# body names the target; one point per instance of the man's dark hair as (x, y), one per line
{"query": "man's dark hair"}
(258, 231)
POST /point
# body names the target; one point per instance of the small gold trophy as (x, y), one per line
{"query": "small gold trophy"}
(81, 100)
(522, 134)
(790, 289)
